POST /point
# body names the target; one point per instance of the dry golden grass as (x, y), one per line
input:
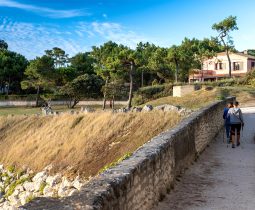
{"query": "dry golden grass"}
(82, 143)
(194, 100)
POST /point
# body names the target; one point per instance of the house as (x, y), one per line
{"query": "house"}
(217, 67)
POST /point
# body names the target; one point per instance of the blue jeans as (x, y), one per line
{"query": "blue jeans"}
(227, 127)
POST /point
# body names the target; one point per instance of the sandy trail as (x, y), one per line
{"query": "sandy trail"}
(222, 178)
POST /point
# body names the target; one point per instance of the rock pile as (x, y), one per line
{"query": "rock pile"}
(148, 108)
(18, 187)
(167, 108)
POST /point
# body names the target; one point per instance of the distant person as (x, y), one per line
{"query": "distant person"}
(227, 121)
(236, 122)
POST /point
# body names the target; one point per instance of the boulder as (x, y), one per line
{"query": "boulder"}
(147, 108)
(137, 109)
(24, 196)
(14, 200)
(20, 188)
(72, 191)
(77, 183)
(65, 182)
(49, 191)
(7, 206)
(87, 109)
(53, 180)
(29, 186)
(40, 177)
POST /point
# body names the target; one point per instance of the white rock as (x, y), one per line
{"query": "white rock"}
(72, 191)
(147, 108)
(87, 109)
(77, 183)
(41, 176)
(24, 176)
(49, 191)
(7, 206)
(7, 188)
(24, 196)
(29, 186)
(64, 187)
(20, 188)
(14, 200)
(37, 185)
(10, 174)
(15, 193)
(167, 108)
(65, 182)
(53, 180)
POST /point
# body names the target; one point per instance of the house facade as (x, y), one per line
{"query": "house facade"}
(218, 67)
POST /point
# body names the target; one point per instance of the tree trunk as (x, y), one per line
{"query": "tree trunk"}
(142, 80)
(176, 70)
(37, 96)
(202, 72)
(229, 64)
(229, 61)
(75, 101)
(130, 86)
(113, 101)
(9, 81)
(104, 100)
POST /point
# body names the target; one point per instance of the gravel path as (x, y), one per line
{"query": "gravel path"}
(222, 179)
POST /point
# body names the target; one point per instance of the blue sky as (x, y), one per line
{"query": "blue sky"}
(32, 26)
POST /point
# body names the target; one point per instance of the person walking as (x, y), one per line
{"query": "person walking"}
(227, 121)
(236, 122)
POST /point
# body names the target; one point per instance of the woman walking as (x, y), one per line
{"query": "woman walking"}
(227, 121)
(236, 122)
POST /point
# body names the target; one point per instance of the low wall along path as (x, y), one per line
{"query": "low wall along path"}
(140, 181)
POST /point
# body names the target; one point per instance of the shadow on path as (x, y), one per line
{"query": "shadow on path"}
(222, 178)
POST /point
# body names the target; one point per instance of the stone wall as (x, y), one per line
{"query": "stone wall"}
(140, 181)
(54, 103)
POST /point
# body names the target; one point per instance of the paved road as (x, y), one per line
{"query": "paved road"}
(222, 179)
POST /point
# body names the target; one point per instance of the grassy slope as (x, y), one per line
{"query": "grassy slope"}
(194, 100)
(82, 143)
(86, 143)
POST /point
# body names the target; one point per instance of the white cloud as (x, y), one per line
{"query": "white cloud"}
(44, 11)
(32, 40)
(111, 31)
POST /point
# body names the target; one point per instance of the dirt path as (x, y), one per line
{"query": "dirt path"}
(223, 178)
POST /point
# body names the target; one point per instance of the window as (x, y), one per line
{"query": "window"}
(237, 66)
(252, 65)
(220, 66)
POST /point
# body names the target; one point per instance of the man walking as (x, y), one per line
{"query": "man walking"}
(236, 122)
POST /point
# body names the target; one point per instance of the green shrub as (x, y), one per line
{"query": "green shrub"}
(11, 169)
(14, 184)
(30, 198)
(223, 94)
(42, 186)
(148, 93)
(250, 78)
